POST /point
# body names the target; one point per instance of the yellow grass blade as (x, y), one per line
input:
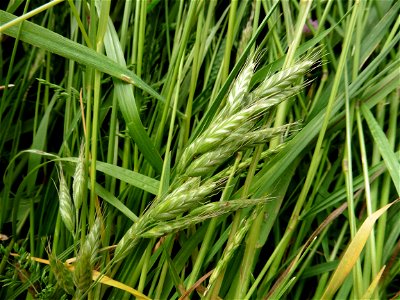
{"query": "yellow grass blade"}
(369, 292)
(353, 252)
(96, 276)
(111, 282)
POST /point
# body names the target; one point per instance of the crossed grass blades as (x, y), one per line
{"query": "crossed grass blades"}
(200, 173)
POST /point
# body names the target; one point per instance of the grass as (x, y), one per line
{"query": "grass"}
(201, 149)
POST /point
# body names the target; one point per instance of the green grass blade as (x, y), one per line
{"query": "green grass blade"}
(389, 157)
(127, 103)
(113, 201)
(133, 178)
(46, 39)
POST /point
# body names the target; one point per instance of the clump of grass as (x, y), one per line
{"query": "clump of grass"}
(174, 135)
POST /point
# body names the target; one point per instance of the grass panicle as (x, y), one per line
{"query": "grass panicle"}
(92, 242)
(232, 130)
(236, 98)
(243, 109)
(82, 275)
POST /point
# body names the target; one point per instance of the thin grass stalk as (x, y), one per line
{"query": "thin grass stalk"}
(301, 20)
(88, 80)
(194, 76)
(333, 255)
(382, 222)
(369, 264)
(164, 269)
(230, 250)
(141, 34)
(317, 155)
(168, 89)
(235, 225)
(211, 228)
(229, 40)
(30, 14)
(348, 172)
(170, 134)
(248, 256)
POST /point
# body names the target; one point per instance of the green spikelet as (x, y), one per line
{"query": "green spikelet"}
(78, 184)
(86, 259)
(66, 206)
(83, 272)
(62, 274)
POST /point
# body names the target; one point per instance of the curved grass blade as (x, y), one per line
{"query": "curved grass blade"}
(384, 147)
(48, 40)
(372, 287)
(353, 252)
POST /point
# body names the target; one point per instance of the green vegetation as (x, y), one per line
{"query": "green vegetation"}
(199, 149)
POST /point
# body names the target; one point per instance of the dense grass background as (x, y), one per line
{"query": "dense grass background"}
(130, 84)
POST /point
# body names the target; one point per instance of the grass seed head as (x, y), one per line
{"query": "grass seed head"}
(239, 89)
(276, 83)
(127, 243)
(62, 274)
(92, 242)
(79, 181)
(66, 206)
(200, 214)
(83, 272)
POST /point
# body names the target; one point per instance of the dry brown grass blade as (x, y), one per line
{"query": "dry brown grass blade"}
(353, 252)
(196, 285)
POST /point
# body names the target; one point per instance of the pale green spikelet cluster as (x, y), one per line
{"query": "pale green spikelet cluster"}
(239, 89)
(82, 275)
(62, 274)
(69, 207)
(276, 83)
(186, 197)
(197, 176)
(246, 33)
(235, 125)
(200, 214)
(66, 205)
(79, 181)
(86, 259)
